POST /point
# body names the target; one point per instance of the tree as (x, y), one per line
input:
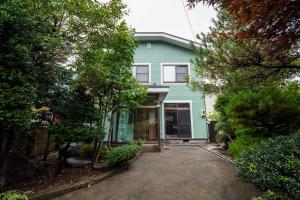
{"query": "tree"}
(276, 22)
(33, 45)
(38, 40)
(104, 63)
(233, 66)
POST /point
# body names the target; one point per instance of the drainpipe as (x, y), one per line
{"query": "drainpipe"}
(206, 124)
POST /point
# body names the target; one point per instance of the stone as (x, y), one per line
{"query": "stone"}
(76, 162)
(72, 151)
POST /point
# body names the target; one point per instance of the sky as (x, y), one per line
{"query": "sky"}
(168, 16)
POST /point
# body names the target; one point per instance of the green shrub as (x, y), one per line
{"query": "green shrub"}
(14, 195)
(103, 151)
(241, 144)
(86, 151)
(137, 142)
(265, 112)
(72, 133)
(273, 164)
(119, 155)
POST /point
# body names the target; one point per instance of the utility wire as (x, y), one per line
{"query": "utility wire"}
(189, 21)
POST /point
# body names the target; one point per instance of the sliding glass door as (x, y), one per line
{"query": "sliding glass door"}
(177, 120)
(146, 124)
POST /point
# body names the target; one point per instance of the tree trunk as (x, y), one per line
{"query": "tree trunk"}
(61, 159)
(117, 125)
(5, 146)
(110, 130)
(47, 147)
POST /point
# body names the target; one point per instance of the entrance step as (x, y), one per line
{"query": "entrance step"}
(151, 148)
(185, 141)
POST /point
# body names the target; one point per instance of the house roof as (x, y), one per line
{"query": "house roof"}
(166, 37)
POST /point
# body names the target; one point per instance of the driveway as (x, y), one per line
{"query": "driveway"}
(179, 173)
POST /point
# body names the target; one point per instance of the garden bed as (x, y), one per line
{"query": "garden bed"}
(46, 185)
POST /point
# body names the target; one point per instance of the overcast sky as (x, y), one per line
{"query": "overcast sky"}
(168, 16)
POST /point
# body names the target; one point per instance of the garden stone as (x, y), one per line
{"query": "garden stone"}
(72, 151)
(76, 162)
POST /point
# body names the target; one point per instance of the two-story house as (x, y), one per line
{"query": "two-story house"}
(162, 62)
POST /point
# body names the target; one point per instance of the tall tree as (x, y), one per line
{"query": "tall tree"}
(33, 44)
(231, 65)
(274, 21)
(39, 38)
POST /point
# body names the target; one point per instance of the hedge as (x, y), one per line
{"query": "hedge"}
(273, 164)
(119, 155)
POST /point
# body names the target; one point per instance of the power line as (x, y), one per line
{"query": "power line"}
(187, 16)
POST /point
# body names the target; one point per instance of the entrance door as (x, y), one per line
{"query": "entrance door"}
(146, 124)
(177, 120)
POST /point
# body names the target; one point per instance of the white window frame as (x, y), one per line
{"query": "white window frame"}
(171, 83)
(149, 69)
(191, 115)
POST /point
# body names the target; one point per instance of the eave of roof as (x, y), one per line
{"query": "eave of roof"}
(166, 37)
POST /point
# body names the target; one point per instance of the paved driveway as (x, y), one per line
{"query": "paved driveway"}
(182, 172)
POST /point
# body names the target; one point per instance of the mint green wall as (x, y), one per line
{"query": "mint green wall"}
(161, 52)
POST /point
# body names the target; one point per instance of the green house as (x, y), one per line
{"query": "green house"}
(162, 62)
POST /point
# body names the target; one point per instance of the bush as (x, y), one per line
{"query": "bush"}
(241, 144)
(273, 164)
(14, 195)
(265, 111)
(72, 133)
(121, 154)
(86, 151)
(137, 142)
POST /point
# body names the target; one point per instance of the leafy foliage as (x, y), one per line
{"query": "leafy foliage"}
(73, 133)
(273, 164)
(31, 52)
(14, 195)
(86, 151)
(276, 22)
(242, 143)
(265, 111)
(76, 107)
(104, 64)
(231, 66)
(119, 155)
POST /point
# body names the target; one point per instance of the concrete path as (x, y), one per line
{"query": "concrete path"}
(179, 173)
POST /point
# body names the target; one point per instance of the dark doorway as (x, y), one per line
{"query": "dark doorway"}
(177, 120)
(146, 124)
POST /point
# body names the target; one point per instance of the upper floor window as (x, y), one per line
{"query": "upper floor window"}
(175, 73)
(141, 73)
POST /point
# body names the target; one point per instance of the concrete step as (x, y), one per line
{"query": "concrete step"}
(185, 141)
(151, 148)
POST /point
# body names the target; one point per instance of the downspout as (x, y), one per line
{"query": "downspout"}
(206, 124)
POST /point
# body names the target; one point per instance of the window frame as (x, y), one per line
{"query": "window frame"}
(187, 65)
(149, 72)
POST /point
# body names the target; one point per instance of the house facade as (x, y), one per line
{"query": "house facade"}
(162, 63)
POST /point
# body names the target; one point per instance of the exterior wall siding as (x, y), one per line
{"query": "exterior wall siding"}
(161, 52)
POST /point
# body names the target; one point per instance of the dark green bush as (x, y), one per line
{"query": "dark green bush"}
(86, 151)
(103, 151)
(241, 144)
(273, 164)
(268, 111)
(72, 133)
(119, 155)
(263, 112)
